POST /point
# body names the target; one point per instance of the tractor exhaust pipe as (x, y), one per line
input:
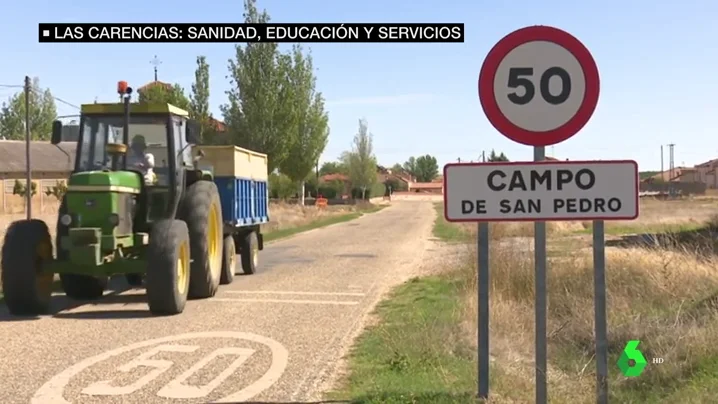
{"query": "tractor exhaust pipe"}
(125, 93)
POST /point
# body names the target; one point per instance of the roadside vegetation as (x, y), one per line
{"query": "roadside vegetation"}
(663, 293)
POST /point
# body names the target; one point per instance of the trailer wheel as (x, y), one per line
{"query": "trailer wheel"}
(26, 287)
(229, 256)
(168, 267)
(75, 286)
(250, 253)
(201, 210)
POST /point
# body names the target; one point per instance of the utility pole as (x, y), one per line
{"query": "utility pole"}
(671, 161)
(28, 176)
(663, 175)
(155, 62)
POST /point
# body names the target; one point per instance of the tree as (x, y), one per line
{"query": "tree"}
(42, 114)
(199, 100)
(256, 114)
(332, 167)
(425, 168)
(161, 93)
(410, 166)
(497, 157)
(397, 169)
(361, 160)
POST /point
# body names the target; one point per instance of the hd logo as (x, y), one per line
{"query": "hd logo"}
(632, 362)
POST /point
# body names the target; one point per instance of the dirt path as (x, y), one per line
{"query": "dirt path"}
(274, 336)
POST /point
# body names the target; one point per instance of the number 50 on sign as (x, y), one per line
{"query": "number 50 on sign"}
(539, 86)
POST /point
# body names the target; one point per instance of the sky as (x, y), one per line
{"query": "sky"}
(657, 60)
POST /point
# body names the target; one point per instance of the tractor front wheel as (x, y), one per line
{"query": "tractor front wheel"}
(168, 267)
(201, 210)
(26, 247)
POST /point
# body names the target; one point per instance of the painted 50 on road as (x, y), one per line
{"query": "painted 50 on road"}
(561, 190)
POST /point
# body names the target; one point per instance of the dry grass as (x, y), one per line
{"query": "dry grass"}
(666, 299)
(283, 216)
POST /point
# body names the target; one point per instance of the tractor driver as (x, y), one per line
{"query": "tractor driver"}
(141, 161)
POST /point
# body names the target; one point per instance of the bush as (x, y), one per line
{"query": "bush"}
(58, 190)
(20, 189)
(281, 187)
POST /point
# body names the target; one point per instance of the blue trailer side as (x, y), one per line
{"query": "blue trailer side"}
(245, 207)
(245, 202)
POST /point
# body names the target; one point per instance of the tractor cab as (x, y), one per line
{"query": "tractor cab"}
(136, 153)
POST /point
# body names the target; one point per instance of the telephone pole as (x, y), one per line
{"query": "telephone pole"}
(28, 176)
(155, 62)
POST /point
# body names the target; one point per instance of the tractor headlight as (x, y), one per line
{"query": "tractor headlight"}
(65, 220)
(114, 219)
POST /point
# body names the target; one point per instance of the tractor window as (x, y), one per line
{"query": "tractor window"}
(148, 131)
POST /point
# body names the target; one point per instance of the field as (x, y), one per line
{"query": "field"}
(662, 277)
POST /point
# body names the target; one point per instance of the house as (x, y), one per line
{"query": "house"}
(50, 164)
(427, 187)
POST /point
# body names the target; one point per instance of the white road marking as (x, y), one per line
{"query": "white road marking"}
(52, 391)
(284, 292)
(290, 301)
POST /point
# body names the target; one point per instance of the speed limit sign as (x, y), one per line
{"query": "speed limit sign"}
(539, 86)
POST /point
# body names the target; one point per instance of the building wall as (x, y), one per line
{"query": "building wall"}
(42, 203)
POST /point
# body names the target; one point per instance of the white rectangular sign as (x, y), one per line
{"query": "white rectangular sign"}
(550, 190)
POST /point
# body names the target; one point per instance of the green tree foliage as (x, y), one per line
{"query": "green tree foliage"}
(497, 157)
(361, 160)
(159, 93)
(281, 187)
(396, 185)
(256, 114)
(310, 123)
(409, 166)
(42, 112)
(422, 168)
(199, 101)
(333, 167)
(397, 169)
(426, 168)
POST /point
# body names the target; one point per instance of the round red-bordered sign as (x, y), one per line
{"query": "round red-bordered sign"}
(539, 86)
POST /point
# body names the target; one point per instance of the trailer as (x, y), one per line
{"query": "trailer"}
(144, 202)
(241, 177)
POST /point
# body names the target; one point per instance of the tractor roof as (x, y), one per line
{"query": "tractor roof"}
(135, 108)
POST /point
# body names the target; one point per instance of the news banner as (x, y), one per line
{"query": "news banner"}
(372, 32)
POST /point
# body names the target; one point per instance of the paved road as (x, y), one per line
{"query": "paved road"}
(275, 336)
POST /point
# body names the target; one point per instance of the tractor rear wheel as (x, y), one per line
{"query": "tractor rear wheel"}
(168, 267)
(250, 253)
(78, 287)
(229, 260)
(26, 247)
(201, 210)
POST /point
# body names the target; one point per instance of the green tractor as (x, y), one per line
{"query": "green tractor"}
(136, 205)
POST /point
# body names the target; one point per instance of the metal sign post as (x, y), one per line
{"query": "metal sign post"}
(539, 86)
(540, 298)
(483, 303)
